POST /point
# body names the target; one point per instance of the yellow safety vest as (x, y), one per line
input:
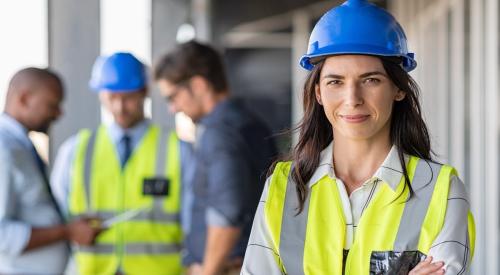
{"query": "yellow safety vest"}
(150, 242)
(393, 230)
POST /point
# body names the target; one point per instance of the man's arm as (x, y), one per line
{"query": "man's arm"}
(229, 175)
(220, 242)
(40, 237)
(14, 235)
(81, 232)
(260, 256)
(17, 236)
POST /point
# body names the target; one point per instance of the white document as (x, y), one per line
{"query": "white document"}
(125, 216)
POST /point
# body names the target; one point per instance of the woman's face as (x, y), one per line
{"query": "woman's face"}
(357, 96)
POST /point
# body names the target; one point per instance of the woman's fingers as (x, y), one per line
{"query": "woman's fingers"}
(427, 267)
(421, 265)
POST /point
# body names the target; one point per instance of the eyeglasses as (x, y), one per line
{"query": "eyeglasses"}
(175, 93)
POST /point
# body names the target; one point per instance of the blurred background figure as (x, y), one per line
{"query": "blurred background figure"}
(232, 150)
(32, 229)
(127, 173)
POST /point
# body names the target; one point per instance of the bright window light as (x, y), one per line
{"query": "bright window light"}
(126, 26)
(24, 35)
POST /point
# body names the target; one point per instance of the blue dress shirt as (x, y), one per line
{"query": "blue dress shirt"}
(24, 203)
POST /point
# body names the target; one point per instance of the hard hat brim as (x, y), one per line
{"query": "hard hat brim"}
(307, 61)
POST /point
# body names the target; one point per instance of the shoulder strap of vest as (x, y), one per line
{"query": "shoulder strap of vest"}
(87, 166)
(168, 144)
(416, 208)
(435, 216)
(293, 229)
(274, 206)
(167, 159)
(276, 198)
(161, 153)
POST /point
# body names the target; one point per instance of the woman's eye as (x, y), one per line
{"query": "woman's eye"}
(333, 82)
(371, 80)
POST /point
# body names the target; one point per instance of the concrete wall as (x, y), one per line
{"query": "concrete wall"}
(73, 47)
(457, 48)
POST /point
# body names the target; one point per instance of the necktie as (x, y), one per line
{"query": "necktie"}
(126, 149)
(42, 167)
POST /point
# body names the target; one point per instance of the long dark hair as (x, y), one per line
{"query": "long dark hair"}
(408, 130)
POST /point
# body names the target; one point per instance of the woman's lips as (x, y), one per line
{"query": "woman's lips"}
(354, 118)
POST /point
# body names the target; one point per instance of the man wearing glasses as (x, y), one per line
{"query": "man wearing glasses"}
(232, 150)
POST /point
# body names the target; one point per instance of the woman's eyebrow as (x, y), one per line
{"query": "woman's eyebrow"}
(373, 73)
(336, 76)
(367, 74)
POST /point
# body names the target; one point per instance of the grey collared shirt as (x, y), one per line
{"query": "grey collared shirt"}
(24, 203)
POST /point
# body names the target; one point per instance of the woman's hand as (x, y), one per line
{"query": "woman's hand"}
(427, 267)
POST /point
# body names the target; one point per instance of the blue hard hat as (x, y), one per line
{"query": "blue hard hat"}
(120, 72)
(358, 27)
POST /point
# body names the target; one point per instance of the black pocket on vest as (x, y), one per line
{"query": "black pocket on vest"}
(394, 263)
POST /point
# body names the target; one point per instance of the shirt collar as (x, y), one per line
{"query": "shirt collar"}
(135, 133)
(389, 172)
(16, 129)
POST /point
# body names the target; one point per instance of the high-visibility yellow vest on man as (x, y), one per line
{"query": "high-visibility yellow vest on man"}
(394, 233)
(147, 243)
(126, 174)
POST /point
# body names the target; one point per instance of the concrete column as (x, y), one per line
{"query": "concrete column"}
(478, 187)
(201, 19)
(491, 135)
(73, 47)
(167, 16)
(301, 29)
(457, 97)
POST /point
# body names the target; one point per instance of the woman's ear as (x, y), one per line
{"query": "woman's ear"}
(317, 92)
(400, 95)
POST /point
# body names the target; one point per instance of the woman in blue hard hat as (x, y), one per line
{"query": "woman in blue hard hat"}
(360, 193)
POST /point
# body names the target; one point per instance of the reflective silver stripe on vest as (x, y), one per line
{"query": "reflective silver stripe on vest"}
(103, 215)
(151, 248)
(161, 155)
(423, 183)
(156, 214)
(96, 249)
(161, 166)
(87, 167)
(293, 230)
(132, 248)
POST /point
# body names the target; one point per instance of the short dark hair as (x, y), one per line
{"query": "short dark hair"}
(192, 59)
(32, 76)
(35, 74)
